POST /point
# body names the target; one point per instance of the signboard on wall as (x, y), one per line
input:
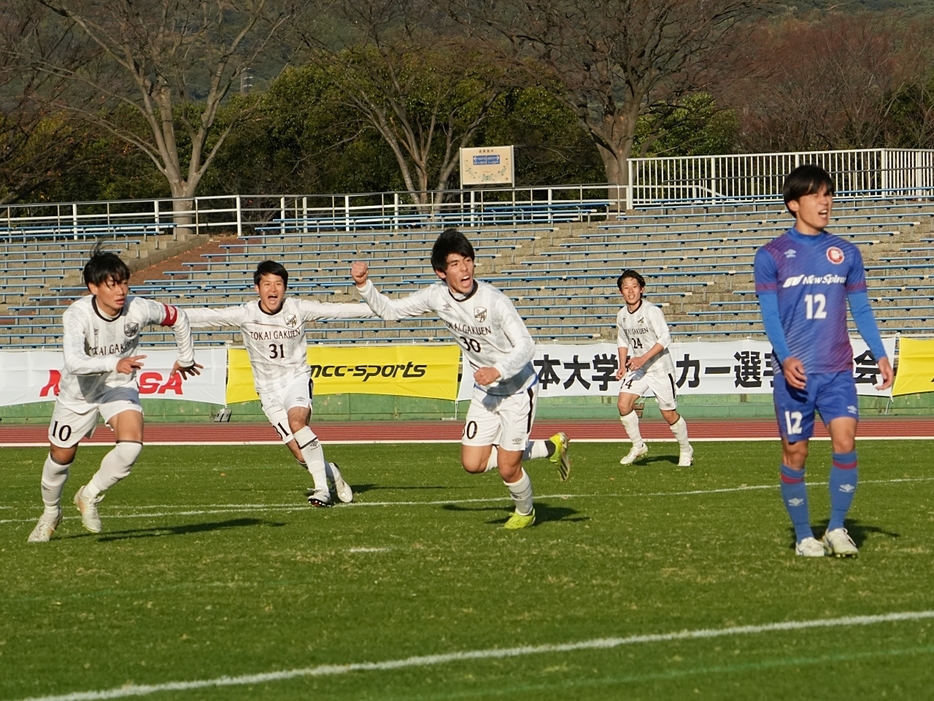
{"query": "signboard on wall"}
(489, 165)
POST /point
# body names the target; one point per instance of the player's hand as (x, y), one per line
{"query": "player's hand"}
(187, 370)
(360, 272)
(126, 366)
(888, 376)
(793, 370)
(486, 376)
(634, 364)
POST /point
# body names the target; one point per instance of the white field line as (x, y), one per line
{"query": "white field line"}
(390, 441)
(331, 670)
(206, 509)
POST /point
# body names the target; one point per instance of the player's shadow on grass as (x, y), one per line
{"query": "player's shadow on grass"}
(859, 532)
(187, 529)
(543, 512)
(648, 461)
(363, 488)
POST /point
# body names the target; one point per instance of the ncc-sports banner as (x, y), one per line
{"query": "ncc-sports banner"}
(915, 367)
(403, 371)
(33, 376)
(730, 367)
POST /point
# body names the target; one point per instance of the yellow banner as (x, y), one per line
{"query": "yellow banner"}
(404, 371)
(915, 367)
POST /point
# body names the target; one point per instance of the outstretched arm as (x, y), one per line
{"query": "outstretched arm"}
(385, 308)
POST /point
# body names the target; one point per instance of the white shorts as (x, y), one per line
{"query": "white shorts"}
(644, 384)
(503, 420)
(69, 426)
(276, 406)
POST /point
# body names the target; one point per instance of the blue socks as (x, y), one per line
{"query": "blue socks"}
(844, 474)
(795, 497)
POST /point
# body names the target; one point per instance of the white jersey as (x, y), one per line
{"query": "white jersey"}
(485, 324)
(638, 331)
(94, 344)
(276, 342)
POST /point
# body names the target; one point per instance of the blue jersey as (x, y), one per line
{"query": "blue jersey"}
(812, 276)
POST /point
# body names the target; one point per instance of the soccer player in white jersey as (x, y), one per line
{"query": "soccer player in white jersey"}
(99, 378)
(645, 367)
(499, 349)
(273, 330)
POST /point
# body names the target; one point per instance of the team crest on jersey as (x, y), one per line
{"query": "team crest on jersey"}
(480, 314)
(131, 329)
(291, 320)
(835, 255)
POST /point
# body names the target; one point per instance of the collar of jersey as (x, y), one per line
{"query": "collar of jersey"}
(810, 240)
(641, 300)
(101, 314)
(259, 304)
(476, 286)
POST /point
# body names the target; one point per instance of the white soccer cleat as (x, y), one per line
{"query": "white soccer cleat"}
(320, 498)
(809, 547)
(344, 492)
(90, 519)
(45, 528)
(686, 458)
(637, 452)
(839, 544)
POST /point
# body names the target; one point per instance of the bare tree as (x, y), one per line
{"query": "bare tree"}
(161, 71)
(829, 81)
(37, 144)
(614, 59)
(425, 89)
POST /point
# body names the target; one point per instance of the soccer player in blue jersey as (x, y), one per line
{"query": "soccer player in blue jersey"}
(804, 280)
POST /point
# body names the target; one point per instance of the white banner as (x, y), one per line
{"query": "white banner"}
(33, 376)
(729, 367)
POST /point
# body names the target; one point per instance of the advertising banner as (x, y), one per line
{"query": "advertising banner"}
(403, 371)
(730, 367)
(33, 376)
(915, 366)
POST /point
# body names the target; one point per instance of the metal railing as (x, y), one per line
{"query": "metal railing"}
(868, 173)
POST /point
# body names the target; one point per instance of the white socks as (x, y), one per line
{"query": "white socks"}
(680, 429)
(114, 467)
(631, 423)
(533, 450)
(54, 477)
(313, 453)
(521, 493)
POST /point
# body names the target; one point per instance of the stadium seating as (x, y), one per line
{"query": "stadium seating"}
(562, 276)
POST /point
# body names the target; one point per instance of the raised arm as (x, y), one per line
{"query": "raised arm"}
(385, 308)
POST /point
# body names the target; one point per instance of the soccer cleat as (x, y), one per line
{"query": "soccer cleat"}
(517, 521)
(809, 547)
(560, 456)
(839, 544)
(320, 498)
(686, 458)
(637, 452)
(45, 528)
(90, 519)
(344, 492)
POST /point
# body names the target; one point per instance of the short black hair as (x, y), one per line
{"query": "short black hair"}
(450, 241)
(271, 267)
(630, 273)
(806, 180)
(103, 266)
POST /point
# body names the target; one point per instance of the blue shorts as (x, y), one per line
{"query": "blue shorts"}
(831, 394)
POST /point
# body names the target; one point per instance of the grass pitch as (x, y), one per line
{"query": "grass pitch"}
(213, 579)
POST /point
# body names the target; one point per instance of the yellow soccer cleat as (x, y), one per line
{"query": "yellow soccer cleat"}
(560, 456)
(517, 521)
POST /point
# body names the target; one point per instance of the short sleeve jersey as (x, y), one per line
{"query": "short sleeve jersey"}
(276, 342)
(485, 324)
(638, 331)
(94, 344)
(812, 276)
